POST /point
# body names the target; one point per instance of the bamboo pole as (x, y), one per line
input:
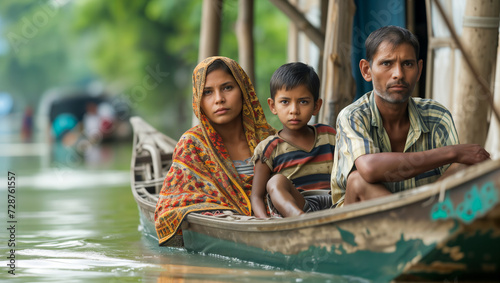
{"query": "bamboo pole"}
(244, 34)
(430, 52)
(293, 40)
(473, 101)
(210, 29)
(323, 23)
(337, 83)
(410, 15)
(209, 33)
(410, 25)
(446, 87)
(296, 17)
(492, 141)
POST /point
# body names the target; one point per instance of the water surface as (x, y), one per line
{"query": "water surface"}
(78, 222)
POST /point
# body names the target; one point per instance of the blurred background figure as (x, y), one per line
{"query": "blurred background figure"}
(92, 117)
(108, 122)
(92, 123)
(64, 129)
(27, 125)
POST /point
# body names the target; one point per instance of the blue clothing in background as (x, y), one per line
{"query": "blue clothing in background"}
(371, 15)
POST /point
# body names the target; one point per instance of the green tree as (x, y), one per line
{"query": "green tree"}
(40, 50)
(143, 51)
(165, 35)
(130, 52)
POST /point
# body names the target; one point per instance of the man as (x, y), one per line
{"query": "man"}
(388, 141)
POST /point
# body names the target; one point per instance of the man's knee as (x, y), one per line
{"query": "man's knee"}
(355, 183)
(359, 189)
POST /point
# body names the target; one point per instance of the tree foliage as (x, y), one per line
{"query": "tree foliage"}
(37, 56)
(144, 51)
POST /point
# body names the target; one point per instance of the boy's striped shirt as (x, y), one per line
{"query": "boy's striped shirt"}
(308, 170)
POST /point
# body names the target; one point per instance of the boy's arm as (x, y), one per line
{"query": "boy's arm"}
(260, 178)
(398, 166)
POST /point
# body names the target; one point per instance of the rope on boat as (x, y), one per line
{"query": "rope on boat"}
(442, 191)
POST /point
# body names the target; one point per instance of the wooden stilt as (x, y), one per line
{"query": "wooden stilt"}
(244, 33)
(474, 97)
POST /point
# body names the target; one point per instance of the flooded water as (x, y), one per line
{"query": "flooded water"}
(75, 220)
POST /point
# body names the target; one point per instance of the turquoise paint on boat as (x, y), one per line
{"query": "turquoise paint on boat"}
(477, 202)
(443, 210)
(347, 237)
(374, 266)
(471, 206)
(370, 265)
(489, 195)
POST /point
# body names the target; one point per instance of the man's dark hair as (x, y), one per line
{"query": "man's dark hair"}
(392, 34)
(292, 75)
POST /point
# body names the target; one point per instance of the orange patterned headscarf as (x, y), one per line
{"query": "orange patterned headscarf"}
(202, 176)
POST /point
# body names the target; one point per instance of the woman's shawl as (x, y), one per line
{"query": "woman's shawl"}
(202, 176)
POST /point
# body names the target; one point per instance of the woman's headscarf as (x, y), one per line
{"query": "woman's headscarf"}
(202, 176)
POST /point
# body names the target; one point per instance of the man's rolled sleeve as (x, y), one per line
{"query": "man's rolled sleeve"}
(445, 134)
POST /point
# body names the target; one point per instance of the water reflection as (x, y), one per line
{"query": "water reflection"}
(67, 178)
(185, 273)
(180, 266)
(80, 267)
(82, 153)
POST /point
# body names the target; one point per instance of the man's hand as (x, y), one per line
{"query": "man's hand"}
(470, 154)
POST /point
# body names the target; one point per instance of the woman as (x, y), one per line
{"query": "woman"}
(211, 167)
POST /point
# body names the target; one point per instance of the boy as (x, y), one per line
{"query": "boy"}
(300, 157)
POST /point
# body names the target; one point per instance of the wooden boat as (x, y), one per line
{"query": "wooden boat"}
(449, 230)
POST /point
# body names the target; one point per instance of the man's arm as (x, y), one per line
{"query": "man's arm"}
(260, 179)
(397, 166)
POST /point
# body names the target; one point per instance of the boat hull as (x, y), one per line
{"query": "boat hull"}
(412, 241)
(449, 230)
